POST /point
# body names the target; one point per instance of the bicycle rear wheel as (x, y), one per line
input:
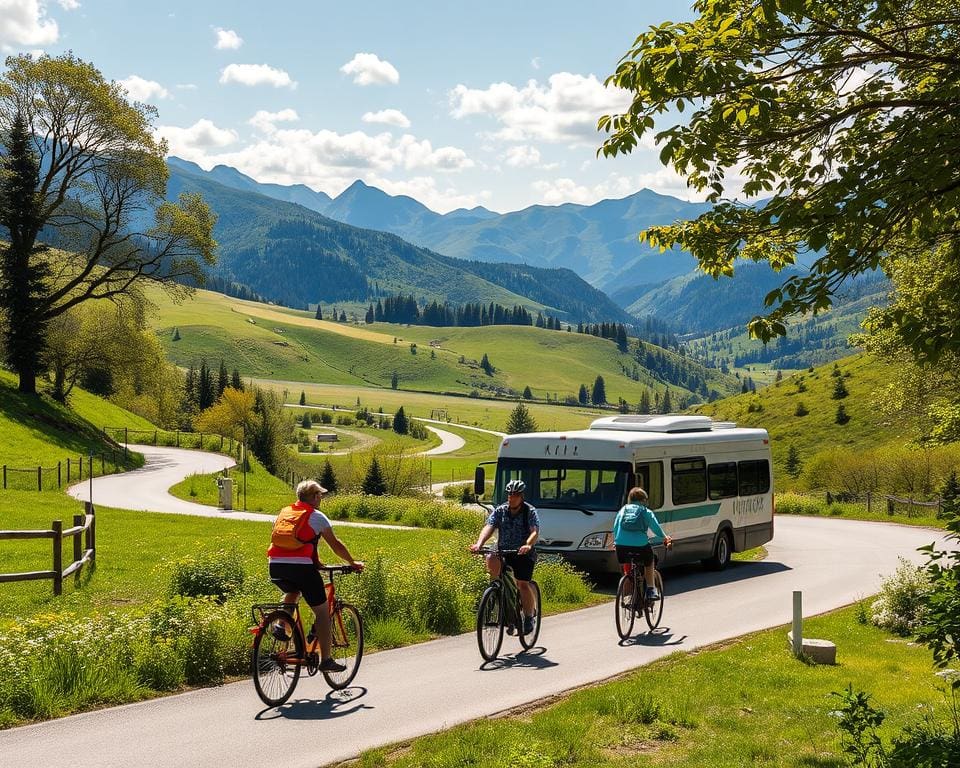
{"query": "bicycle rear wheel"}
(653, 609)
(490, 623)
(623, 607)
(346, 634)
(528, 640)
(277, 658)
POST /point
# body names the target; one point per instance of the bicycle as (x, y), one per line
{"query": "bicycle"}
(632, 600)
(281, 650)
(500, 606)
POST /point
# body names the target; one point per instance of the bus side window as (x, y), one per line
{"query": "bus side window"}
(689, 480)
(650, 477)
(722, 480)
(754, 477)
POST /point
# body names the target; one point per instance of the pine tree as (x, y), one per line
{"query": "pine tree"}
(839, 389)
(667, 405)
(343, 316)
(319, 316)
(842, 416)
(223, 378)
(306, 422)
(801, 410)
(520, 420)
(206, 395)
(303, 397)
(235, 380)
(400, 424)
(584, 397)
(527, 394)
(950, 497)
(394, 380)
(176, 334)
(485, 364)
(328, 478)
(374, 483)
(793, 463)
(644, 406)
(599, 394)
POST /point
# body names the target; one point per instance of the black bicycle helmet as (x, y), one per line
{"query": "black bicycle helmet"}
(516, 486)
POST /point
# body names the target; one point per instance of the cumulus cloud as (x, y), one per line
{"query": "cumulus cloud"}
(143, 90)
(24, 23)
(256, 74)
(442, 199)
(69, 5)
(564, 110)
(522, 156)
(387, 117)
(566, 190)
(266, 121)
(370, 69)
(227, 39)
(195, 142)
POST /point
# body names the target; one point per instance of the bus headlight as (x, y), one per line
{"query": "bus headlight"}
(603, 540)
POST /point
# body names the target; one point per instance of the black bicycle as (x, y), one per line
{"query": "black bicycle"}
(632, 599)
(500, 609)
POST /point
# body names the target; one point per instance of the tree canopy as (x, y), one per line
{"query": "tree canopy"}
(841, 118)
(90, 179)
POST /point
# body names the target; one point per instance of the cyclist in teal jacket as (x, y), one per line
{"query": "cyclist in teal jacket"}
(630, 529)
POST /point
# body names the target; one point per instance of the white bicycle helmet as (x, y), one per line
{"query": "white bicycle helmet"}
(516, 486)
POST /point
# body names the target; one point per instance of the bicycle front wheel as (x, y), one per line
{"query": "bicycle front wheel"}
(528, 640)
(346, 647)
(277, 658)
(490, 623)
(653, 609)
(623, 607)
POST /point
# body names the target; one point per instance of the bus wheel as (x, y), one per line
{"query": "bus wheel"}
(722, 549)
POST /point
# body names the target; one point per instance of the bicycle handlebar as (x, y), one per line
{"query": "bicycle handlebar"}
(332, 569)
(496, 551)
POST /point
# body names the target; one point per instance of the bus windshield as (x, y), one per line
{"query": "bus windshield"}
(563, 483)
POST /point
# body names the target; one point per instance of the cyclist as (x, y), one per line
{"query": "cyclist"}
(518, 527)
(294, 568)
(630, 529)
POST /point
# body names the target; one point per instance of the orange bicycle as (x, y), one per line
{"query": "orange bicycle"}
(281, 649)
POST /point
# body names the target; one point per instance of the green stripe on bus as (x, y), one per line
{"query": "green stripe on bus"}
(690, 513)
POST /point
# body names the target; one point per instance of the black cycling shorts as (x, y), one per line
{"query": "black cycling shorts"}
(522, 565)
(302, 578)
(643, 555)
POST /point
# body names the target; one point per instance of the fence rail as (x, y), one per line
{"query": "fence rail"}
(882, 500)
(64, 472)
(173, 438)
(83, 551)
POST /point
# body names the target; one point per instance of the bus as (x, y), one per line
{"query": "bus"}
(709, 483)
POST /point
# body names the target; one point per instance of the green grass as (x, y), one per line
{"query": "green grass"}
(746, 703)
(265, 342)
(798, 504)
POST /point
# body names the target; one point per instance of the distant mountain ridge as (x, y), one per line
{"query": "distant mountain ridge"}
(289, 253)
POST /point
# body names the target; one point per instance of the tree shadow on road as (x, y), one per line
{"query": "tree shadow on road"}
(334, 704)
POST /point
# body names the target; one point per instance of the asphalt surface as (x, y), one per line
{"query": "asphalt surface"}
(407, 692)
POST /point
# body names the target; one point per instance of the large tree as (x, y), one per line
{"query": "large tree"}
(83, 171)
(843, 120)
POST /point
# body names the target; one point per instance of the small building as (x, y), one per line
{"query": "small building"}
(327, 437)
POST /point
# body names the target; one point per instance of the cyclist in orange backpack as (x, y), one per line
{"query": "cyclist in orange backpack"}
(293, 561)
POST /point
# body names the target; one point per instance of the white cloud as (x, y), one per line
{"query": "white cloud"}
(387, 117)
(535, 62)
(426, 190)
(565, 109)
(265, 121)
(522, 156)
(143, 90)
(227, 39)
(193, 143)
(186, 86)
(256, 74)
(566, 190)
(369, 69)
(69, 5)
(24, 23)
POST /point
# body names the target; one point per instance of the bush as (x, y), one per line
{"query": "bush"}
(900, 605)
(217, 573)
(794, 504)
(559, 581)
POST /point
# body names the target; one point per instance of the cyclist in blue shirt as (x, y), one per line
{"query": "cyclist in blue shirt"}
(518, 526)
(630, 529)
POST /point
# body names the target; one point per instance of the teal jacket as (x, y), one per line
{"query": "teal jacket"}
(631, 526)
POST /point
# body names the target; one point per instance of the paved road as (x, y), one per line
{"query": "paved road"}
(408, 692)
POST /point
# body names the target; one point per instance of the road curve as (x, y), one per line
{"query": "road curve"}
(407, 692)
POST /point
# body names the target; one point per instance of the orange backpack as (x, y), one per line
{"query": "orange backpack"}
(288, 528)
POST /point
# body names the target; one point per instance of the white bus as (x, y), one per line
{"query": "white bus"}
(709, 484)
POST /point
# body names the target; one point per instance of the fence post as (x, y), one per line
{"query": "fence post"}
(80, 466)
(4, 477)
(178, 438)
(77, 547)
(59, 480)
(868, 502)
(68, 469)
(57, 558)
(126, 436)
(90, 473)
(797, 636)
(39, 478)
(889, 505)
(91, 531)
(221, 443)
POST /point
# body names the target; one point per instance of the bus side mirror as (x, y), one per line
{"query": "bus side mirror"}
(479, 484)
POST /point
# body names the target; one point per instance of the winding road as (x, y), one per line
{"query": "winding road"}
(407, 692)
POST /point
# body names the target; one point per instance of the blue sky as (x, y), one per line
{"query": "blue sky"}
(494, 104)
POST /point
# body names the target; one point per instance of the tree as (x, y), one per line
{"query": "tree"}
(394, 380)
(176, 334)
(842, 416)
(583, 397)
(527, 394)
(666, 405)
(319, 316)
(599, 394)
(839, 389)
(793, 465)
(644, 406)
(305, 421)
(303, 397)
(328, 478)
(235, 380)
(400, 424)
(230, 415)
(839, 116)
(99, 171)
(374, 483)
(485, 364)
(520, 420)
(223, 378)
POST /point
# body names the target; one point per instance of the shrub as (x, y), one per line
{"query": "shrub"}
(217, 573)
(900, 605)
(559, 581)
(794, 504)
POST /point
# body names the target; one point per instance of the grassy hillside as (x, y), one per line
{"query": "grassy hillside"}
(775, 409)
(267, 342)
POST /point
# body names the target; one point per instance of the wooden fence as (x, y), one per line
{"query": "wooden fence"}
(887, 501)
(173, 438)
(83, 551)
(64, 472)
